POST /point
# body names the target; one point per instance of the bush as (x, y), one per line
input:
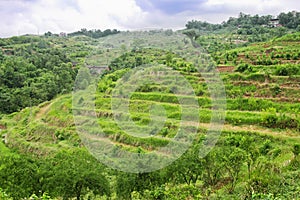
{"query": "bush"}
(282, 121)
(270, 120)
(296, 149)
(251, 104)
(236, 77)
(276, 90)
(285, 121)
(257, 77)
(287, 70)
(45, 196)
(244, 67)
(4, 196)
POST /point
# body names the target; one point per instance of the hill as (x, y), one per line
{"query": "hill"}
(256, 155)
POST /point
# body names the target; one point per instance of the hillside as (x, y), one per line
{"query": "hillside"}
(256, 155)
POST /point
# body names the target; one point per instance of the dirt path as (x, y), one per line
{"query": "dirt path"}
(251, 129)
(43, 110)
(263, 131)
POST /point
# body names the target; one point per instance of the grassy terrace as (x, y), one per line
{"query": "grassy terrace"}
(251, 104)
(260, 135)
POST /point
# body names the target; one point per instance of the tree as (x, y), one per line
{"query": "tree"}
(233, 159)
(74, 173)
(189, 167)
(296, 149)
(18, 176)
(290, 19)
(1, 56)
(212, 167)
(28, 79)
(48, 34)
(193, 34)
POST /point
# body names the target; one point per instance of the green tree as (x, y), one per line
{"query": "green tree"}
(74, 173)
(1, 56)
(213, 167)
(18, 176)
(233, 159)
(189, 167)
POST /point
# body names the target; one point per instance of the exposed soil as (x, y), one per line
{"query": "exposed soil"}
(223, 68)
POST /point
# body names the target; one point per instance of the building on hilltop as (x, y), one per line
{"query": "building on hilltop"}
(274, 23)
(62, 34)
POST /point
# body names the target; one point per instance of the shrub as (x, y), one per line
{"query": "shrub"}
(285, 121)
(296, 149)
(269, 119)
(287, 70)
(295, 57)
(266, 147)
(236, 77)
(282, 121)
(244, 67)
(4, 196)
(276, 90)
(257, 77)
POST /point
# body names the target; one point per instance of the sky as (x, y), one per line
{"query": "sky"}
(18, 17)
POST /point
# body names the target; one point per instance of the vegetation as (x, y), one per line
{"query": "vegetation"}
(94, 33)
(42, 155)
(253, 28)
(33, 71)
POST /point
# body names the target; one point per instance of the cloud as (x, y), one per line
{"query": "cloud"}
(39, 16)
(253, 6)
(176, 14)
(170, 6)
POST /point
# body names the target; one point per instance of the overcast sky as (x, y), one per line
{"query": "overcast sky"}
(39, 16)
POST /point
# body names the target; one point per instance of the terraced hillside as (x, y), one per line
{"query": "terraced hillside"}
(256, 156)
